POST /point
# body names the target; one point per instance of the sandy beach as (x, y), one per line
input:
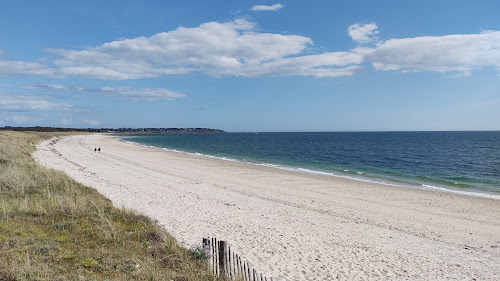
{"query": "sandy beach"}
(291, 225)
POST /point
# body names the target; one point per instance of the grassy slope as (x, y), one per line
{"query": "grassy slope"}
(53, 228)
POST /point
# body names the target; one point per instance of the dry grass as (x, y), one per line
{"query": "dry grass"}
(53, 228)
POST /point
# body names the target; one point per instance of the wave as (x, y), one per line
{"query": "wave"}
(468, 193)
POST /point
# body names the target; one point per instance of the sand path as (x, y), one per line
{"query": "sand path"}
(289, 225)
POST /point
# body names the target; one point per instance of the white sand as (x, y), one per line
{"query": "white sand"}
(290, 225)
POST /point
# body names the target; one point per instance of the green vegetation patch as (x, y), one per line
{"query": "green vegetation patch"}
(53, 228)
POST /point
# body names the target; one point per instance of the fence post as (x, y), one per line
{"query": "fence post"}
(214, 256)
(249, 275)
(229, 263)
(222, 260)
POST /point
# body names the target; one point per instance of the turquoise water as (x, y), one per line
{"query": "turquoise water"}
(465, 162)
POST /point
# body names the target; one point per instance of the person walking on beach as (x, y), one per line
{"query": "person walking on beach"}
(99, 149)
(95, 150)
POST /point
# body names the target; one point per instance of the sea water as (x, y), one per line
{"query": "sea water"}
(462, 162)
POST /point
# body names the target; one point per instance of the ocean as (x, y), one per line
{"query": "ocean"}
(460, 162)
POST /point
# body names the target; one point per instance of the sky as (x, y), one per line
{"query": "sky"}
(251, 65)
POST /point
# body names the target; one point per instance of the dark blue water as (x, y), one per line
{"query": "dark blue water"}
(458, 161)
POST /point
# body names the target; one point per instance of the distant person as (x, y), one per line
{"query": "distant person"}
(95, 150)
(99, 149)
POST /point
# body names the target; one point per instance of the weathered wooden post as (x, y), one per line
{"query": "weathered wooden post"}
(229, 263)
(242, 270)
(222, 260)
(214, 256)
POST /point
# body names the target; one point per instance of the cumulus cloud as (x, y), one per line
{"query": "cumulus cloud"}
(92, 122)
(232, 48)
(363, 33)
(8, 68)
(66, 121)
(237, 48)
(274, 7)
(28, 102)
(126, 93)
(450, 53)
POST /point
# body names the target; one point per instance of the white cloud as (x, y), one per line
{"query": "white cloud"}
(28, 102)
(92, 122)
(237, 48)
(126, 93)
(321, 65)
(363, 33)
(54, 87)
(232, 49)
(274, 7)
(8, 68)
(25, 119)
(66, 121)
(80, 110)
(1, 121)
(143, 94)
(450, 53)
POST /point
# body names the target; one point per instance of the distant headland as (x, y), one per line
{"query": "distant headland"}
(119, 130)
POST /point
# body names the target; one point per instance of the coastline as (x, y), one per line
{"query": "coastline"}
(356, 175)
(306, 226)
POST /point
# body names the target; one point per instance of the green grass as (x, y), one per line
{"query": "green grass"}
(53, 228)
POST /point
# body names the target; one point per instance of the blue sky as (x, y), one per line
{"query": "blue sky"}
(251, 65)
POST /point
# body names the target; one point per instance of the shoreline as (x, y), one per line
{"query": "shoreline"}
(361, 178)
(289, 225)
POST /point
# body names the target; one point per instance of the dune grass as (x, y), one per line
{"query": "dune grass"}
(53, 228)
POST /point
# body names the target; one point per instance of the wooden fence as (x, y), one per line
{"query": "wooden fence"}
(228, 264)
